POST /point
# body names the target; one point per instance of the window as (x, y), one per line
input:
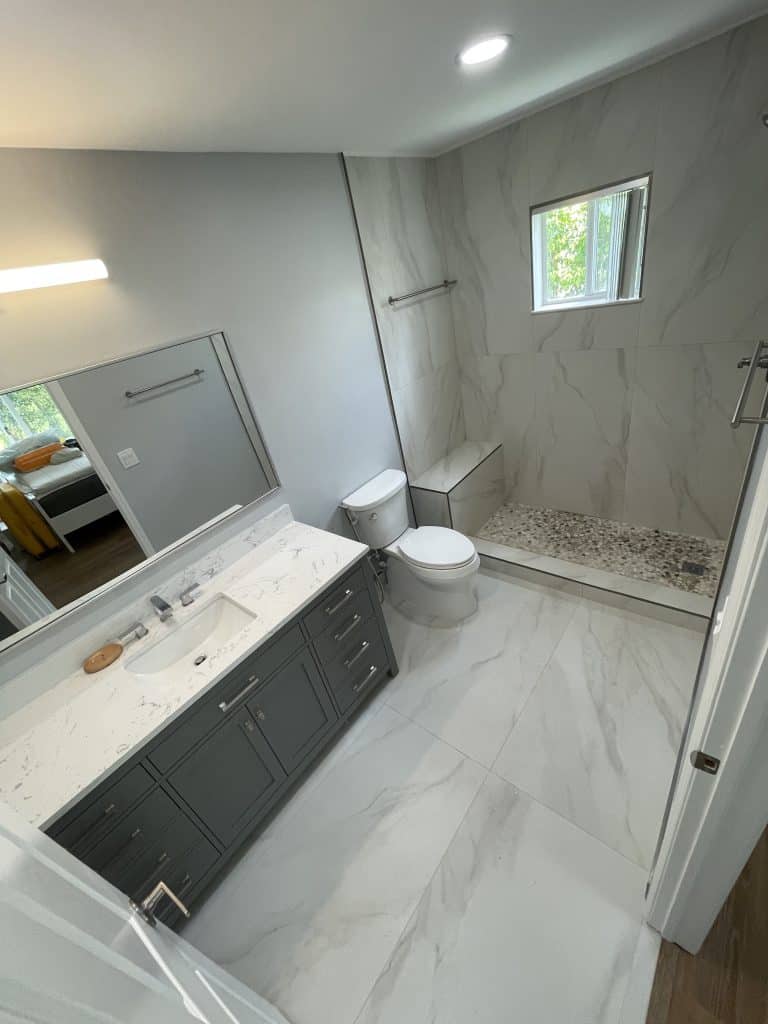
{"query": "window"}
(588, 250)
(29, 411)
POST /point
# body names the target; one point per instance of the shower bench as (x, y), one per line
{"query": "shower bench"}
(463, 489)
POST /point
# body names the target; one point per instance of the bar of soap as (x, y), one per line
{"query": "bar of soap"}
(102, 658)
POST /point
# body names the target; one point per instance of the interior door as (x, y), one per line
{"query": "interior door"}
(21, 602)
(73, 951)
(718, 810)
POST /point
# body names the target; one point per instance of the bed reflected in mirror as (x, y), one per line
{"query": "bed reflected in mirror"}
(107, 466)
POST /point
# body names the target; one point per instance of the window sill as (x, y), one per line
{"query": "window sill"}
(566, 306)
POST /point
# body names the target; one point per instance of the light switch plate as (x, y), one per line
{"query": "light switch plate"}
(128, 458)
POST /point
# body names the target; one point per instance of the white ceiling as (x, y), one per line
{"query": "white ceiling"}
(313, 75)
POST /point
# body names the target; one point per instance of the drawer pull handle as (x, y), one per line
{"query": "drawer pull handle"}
(162, 859)
(364, 682)
(225, 705)
(119, 852)
(95, 826)
(358, 654)
(354, 623)
(333, 608)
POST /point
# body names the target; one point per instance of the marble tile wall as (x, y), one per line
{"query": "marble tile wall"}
(398, 212)
(621, 411)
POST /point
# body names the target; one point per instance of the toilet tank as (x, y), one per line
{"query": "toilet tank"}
(380, 508)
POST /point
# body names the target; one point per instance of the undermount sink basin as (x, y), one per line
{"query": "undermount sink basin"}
(193, 640)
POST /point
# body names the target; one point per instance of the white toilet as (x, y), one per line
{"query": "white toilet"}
(432, 571)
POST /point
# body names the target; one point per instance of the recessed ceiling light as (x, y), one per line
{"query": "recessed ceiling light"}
(483, 50)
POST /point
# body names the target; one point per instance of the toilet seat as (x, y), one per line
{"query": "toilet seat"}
(437, 548)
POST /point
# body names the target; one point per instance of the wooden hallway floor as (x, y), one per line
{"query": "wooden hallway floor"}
(727, 982)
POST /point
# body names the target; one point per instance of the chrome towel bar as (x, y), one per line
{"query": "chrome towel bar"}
(164, 384)
(754, 362)
(393, 299)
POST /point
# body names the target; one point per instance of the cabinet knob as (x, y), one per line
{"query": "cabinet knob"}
(260, 715)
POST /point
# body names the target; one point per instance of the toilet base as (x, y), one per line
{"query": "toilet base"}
(431, 602)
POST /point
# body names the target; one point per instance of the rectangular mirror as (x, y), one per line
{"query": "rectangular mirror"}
(105, 467)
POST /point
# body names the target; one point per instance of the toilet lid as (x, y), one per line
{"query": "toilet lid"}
(436, 547)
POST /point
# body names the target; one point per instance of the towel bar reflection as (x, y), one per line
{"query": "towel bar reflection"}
(164, 384)
(393, 299)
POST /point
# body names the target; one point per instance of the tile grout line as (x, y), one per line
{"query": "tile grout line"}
(580, 828)
(545, 666)
(434, 735)
(428, 885)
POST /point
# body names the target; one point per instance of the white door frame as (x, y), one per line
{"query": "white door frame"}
(715, 820)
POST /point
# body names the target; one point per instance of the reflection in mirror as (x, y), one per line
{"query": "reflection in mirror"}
(109, 465)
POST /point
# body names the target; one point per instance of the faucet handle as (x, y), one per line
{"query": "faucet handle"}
(136, 631)
(188, 595)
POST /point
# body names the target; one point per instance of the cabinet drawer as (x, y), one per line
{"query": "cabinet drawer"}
(336, 605)
(350, 682)
(183, 876)
(128, 850)
(344, 632)
(226, 696)
(81, 829)
(355, 649)
(179, 860)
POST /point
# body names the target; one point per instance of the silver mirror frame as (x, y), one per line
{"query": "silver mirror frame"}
(231, 372)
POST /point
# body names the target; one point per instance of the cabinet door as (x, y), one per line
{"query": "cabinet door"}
(230, 777)
(294, 711)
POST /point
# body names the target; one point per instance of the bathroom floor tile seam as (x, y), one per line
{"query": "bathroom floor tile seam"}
(491, 770)
(432, 877)
(540, 673)
(440, 866)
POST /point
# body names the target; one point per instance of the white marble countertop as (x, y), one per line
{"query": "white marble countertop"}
(452, 469)
(65, 742)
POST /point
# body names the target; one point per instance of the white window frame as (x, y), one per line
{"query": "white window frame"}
(593, 296)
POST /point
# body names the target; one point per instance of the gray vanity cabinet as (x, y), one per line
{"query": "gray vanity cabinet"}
(184, 804)
(293, 711)
(229, 777)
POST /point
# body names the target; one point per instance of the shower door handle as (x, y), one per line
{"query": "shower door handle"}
(755, 362)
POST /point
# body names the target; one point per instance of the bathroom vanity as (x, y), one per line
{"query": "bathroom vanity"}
(205, 753)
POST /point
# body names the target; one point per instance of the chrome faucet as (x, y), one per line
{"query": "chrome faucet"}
(161, 608)
(188, 596)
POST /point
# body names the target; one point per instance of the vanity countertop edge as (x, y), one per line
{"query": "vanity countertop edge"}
(55, 761)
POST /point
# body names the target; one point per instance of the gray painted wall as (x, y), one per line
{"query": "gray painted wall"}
(619, 412)
(260, 246)
(196, 459)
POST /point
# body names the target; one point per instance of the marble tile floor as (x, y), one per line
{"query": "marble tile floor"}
(476, 846)
(656, 556)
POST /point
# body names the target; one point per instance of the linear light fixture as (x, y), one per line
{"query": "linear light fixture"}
(21, 279)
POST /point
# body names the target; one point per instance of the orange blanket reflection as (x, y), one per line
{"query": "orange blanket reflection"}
(24, 522)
